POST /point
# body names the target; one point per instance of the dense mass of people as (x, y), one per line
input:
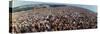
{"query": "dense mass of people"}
(53, 19)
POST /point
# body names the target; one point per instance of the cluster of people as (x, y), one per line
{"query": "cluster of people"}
(62, 20)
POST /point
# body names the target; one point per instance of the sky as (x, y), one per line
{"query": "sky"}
(92, 6)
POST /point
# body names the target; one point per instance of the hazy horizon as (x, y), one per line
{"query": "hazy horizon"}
(22, 3)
